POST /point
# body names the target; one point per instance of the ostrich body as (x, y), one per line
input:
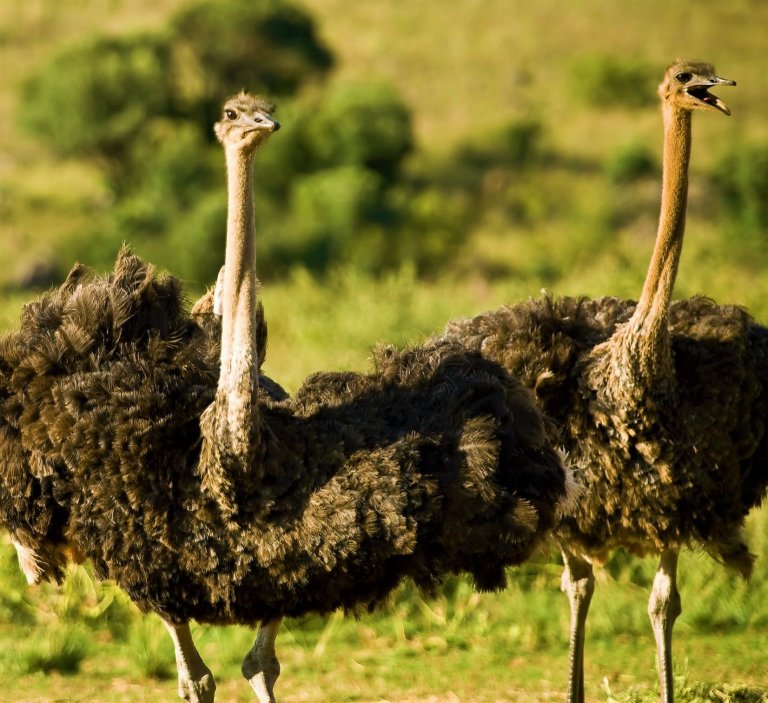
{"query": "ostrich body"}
(436, 462)
(660, 405)
(122, 311)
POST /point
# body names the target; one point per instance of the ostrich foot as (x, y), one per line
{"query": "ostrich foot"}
(196, 683)
(260, 666)
(200, 691)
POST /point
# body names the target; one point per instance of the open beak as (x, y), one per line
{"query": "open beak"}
(700, 92)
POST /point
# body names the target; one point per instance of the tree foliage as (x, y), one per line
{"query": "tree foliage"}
(330, 187)
(96, 97)
(268, 46)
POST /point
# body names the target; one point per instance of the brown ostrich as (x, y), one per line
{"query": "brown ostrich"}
(659, 405)
(436, 462)
(132, 304)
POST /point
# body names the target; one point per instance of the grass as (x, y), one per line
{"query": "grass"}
(61, 649)
(695, 693)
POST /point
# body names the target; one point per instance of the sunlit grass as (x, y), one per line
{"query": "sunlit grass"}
(459, 645)
(151, 649)
(62, 649)
(697, 692)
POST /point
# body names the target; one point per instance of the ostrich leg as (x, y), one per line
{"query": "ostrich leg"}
(196, 684)
(663, 609)
(260, 666)
(578, 583)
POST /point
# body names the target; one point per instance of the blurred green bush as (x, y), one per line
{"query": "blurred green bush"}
(516, 145)
(608, 81)
(630, 162)
(358, 124)
(222, 47)
(330, 188)
(95, 98)
(742, 180)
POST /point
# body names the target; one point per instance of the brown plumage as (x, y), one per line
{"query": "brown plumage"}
(127, 307)
(661, 406)
(436, 462)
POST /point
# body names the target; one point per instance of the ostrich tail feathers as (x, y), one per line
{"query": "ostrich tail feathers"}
(732, 552)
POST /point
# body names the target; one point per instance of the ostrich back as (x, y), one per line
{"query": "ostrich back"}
(434, 463)
(84, 323)
(684, 470)
(541, 341)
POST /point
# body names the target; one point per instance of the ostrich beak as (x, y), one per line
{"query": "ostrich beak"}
(700, 92)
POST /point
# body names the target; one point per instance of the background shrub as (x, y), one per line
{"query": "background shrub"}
(361, 124)
(324, 192)
(516, 145)
(742, 179)
(268, 46)
(631, 162)
(96, 97)
(605, 81)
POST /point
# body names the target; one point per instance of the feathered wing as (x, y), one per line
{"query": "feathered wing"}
(541, 341)
(435, 462)
(477, 439)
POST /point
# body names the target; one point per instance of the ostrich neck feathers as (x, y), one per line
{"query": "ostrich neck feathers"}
(231, 426)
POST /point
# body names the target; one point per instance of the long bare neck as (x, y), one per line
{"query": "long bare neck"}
(646, 333)
(238, 377)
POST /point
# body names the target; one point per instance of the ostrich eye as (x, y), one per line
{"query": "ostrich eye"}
(230, 114)
(683, 77)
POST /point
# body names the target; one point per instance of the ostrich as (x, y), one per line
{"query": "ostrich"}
(37, 526)
(435, 462)
(140, 305)
(660, 405)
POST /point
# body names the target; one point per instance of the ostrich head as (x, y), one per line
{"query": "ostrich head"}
(686, 86)
(246, 121)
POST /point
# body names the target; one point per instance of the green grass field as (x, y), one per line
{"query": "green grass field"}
(465, 69)
(86, 643)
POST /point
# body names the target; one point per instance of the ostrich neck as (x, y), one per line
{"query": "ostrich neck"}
(238, 378)
(646, 335)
